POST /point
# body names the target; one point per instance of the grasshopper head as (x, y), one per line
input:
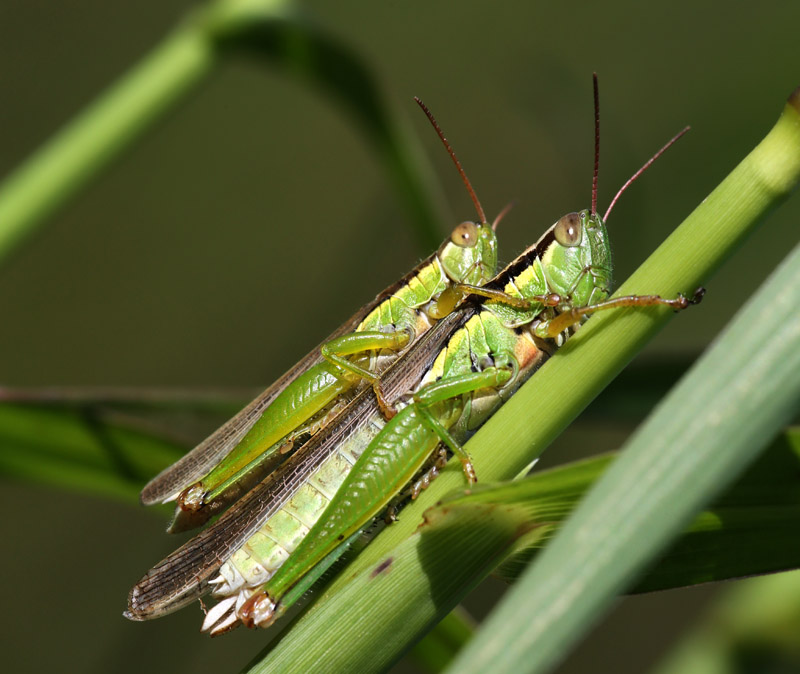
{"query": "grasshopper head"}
(578, 261)
(470, 254)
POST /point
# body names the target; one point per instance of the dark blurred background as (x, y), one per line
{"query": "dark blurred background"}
(255, 218)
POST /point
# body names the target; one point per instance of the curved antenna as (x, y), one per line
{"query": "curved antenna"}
(596, 143)
(647, 165)
(503, 214)
(467, 183)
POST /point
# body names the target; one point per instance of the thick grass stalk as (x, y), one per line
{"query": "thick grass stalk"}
(329, 636)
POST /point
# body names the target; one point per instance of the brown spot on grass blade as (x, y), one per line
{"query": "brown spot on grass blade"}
(383, 566)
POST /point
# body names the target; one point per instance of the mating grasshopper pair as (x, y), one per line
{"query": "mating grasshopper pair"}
(367, 446)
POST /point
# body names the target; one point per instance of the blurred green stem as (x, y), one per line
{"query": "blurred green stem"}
(263, 28)
(753, 627)
(444, 641)
(69, 160)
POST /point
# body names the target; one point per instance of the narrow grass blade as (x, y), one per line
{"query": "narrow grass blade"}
(327, 65)
(750, 529)
(80, 451)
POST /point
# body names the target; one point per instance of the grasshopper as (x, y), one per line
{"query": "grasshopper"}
(311, 507)
(317, 467)
(242, 451)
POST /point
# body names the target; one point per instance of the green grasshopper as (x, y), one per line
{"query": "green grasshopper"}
(290, 496)
(247, 447)
(302, 515)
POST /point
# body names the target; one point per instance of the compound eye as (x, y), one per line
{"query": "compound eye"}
(569, 231)
(465, 235)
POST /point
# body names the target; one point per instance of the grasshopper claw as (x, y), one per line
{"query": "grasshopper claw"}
(258, 611)
(388, 410)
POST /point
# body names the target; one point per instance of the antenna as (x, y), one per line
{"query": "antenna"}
(502, 214)
(596, 143)
(643, 169)
(467, 183)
